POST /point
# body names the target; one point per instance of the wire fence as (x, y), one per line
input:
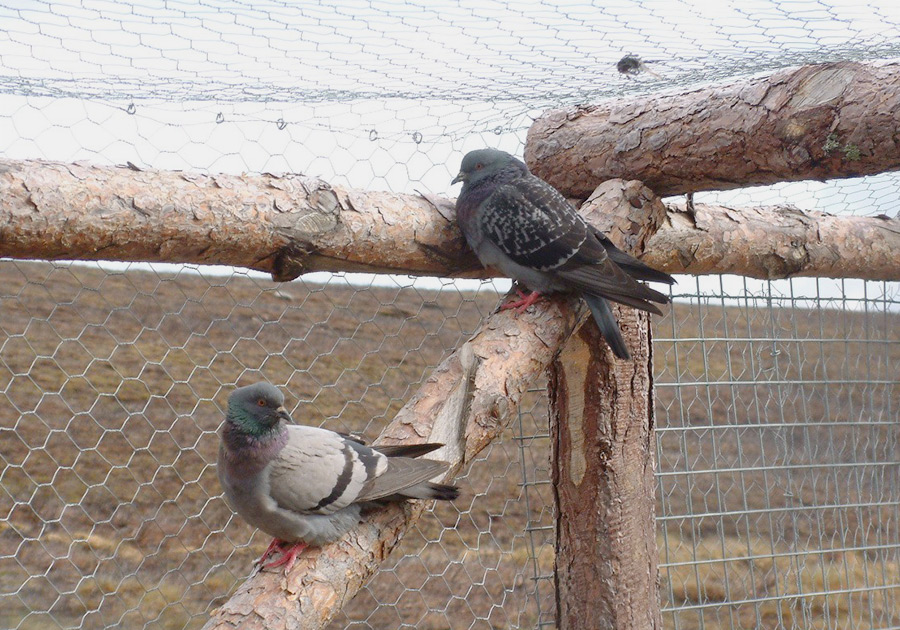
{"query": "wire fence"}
(777, 407)
(779, 492)
(779, 461)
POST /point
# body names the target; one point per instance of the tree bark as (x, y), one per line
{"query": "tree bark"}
(290, 224)
(286, 224)
(813, 122)
(774, 242)
(603, 465)
(464, 404)
(601, 426)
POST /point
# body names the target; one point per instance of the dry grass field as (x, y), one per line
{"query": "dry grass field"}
(779, 494)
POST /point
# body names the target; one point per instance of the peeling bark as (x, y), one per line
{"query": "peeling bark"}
(291, 224)
(814, 122)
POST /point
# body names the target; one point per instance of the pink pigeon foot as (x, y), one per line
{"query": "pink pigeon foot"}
(288, 555)
(275, 545)
(524, 301)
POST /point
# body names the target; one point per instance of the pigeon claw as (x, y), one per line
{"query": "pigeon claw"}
(525, 300)
(288, 555)
(274, 546)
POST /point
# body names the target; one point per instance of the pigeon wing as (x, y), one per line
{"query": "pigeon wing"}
(406, 450)
(319, 471)
(401, 473)
(609, 280)
(536, 227)
(532, 224)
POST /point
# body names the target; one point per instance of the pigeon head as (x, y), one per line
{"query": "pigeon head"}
(256, 409)
(485, 163)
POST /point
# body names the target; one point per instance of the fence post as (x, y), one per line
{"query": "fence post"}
(601, 424)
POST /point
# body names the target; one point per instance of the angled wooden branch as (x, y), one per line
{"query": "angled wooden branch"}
(814, 122)
(290, 224)
(465, 403)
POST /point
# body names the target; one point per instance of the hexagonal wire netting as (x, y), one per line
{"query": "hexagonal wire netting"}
(777, 406)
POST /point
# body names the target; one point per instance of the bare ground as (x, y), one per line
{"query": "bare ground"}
(779, 494)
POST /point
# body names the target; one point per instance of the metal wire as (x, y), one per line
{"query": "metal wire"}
(776, 401)
(786, 487)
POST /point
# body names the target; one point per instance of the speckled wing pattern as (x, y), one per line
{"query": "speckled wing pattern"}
(536, 227)
(533, 224)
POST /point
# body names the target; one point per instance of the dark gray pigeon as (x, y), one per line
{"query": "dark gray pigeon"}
(523, 227)
(306, 485)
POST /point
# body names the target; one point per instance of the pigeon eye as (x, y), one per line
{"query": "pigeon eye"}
(479, 166)
(261, 402)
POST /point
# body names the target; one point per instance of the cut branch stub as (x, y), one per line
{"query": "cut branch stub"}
(627, 212)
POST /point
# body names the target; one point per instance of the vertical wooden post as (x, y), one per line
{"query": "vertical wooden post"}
(601, 415)
(601, 425)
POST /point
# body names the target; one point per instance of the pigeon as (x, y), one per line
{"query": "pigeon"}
(520, 225)
(307, 485)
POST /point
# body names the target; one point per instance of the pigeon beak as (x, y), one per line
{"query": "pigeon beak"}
(282, 414)
(461, 177)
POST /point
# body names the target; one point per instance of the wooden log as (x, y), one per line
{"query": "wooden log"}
(603, 464)
(814, 122)
(290, 224)
(285, 224)
(601, 431)
(774, 242)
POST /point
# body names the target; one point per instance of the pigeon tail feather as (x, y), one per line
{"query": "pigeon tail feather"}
(425, 490)
(634, 267)
(638, 270)
(607, 324)
(405, 450)
(442, 491)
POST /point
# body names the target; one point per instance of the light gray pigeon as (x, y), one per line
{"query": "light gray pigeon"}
(520, 225)
(309, 486)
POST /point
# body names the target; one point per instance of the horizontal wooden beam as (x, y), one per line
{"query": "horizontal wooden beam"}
(775, 242)
(815, 122)
(290, 224)
(285, 224)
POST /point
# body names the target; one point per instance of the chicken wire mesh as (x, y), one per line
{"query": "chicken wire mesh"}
(777, 407)
(112, 509)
